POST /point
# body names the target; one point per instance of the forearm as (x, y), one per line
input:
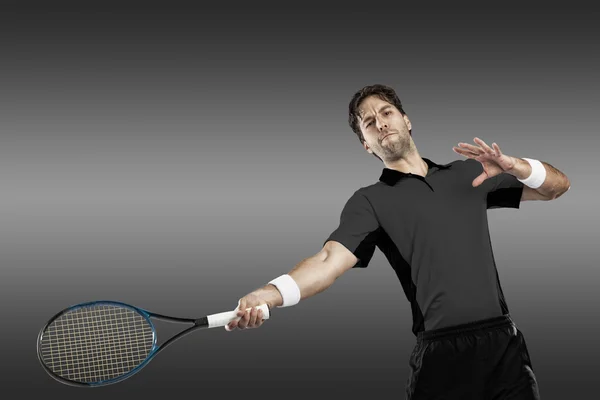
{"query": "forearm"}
(555, 184)
(312, 275)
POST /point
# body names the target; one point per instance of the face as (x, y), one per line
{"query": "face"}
(385, 129)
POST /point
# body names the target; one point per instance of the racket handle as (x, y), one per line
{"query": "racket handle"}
(222, 319)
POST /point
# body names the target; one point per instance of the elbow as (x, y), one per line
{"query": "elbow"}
(561, 192)
(330, 272)
(337, 260)
(567, 186)
(321, 272)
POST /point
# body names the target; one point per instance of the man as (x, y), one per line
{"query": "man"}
(430, 221)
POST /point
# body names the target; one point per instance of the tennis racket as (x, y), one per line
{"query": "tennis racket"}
(104, 342)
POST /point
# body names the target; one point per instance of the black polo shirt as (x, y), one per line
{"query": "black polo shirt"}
(434, 232)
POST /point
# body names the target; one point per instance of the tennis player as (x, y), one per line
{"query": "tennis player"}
(430, 222)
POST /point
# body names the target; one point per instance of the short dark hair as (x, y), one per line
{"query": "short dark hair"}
(385, 93)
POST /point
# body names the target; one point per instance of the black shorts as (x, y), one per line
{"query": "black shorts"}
(482, 360)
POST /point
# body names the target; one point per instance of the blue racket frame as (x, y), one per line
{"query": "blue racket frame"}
(198, 324)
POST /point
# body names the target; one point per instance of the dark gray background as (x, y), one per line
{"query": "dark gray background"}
(177, 158)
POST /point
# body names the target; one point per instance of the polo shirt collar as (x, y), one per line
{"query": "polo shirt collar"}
(392, 176)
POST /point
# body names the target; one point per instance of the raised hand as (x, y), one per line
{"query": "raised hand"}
(494, 162)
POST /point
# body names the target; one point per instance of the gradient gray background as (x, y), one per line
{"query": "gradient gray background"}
(177, 158)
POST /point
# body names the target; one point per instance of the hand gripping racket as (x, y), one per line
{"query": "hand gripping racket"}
(104, 342)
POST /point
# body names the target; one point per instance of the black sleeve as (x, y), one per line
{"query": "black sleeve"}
(358, 229)
(505, 191)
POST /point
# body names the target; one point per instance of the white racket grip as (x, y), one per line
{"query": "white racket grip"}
(222, 319)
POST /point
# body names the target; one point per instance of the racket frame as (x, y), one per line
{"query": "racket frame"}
(198, 323)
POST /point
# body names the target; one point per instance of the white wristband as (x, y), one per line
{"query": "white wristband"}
(538, 174)
(290, 292)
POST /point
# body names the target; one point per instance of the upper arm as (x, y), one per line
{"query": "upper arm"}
(358, 231)
(503, 191)
(338, 257)
(532, 194)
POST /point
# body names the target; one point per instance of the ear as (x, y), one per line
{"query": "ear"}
(367, 148)
(407, 122)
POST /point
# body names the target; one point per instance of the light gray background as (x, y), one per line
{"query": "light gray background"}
(177, 158)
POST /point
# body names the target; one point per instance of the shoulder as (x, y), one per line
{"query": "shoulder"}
(465, 163)
(363, 197)
(368, 190)
(467, 166)
(372, 191)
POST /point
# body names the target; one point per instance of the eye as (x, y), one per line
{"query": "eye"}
(388, 112)
(369, 124)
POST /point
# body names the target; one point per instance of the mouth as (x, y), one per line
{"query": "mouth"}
(389, 134)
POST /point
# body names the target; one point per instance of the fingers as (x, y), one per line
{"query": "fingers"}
(259, 318)
(465, 152)
(469, 147)
(240, 313)
(471, 151)
(497, 149)
(479, 180)
(484, 146)
(243, 322)
(253, 315)
(241, 307)
(252, 318)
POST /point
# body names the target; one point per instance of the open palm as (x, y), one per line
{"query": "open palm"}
(494, 162)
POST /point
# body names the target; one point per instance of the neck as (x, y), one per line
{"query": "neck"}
(412, 163)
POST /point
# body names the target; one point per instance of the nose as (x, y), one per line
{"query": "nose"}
(381, 124)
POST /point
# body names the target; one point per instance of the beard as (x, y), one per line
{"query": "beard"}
(395, 147)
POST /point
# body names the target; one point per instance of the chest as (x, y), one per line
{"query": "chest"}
(428, 207)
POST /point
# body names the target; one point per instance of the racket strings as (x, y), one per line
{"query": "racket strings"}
(96, 343)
